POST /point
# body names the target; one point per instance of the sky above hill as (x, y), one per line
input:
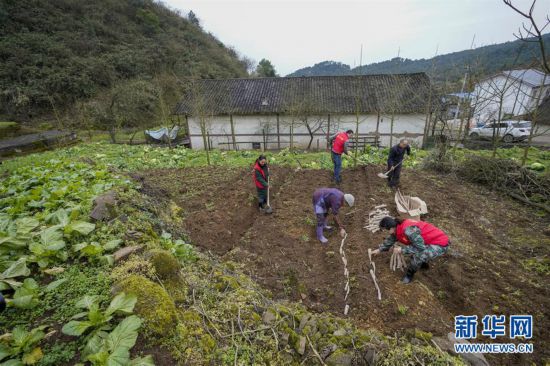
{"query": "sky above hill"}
(296, 34)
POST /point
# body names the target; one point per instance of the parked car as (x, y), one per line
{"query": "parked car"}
(523, 124)
(509, 131)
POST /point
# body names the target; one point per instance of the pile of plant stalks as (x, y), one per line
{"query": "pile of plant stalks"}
(507, 176)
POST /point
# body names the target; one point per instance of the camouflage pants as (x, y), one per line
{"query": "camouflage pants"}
(429, 253)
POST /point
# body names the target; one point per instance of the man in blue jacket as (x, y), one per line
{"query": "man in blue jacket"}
(395, 161)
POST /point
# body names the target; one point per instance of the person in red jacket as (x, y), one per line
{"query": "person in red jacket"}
(339, 144)
(423, 241)
(260, 177)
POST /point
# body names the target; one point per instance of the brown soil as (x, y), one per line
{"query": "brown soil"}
(481, 274)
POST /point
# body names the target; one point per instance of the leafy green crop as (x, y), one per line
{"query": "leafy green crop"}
(43, 224)
(16, 269)
(184, 252)
(114, 348)
(28, 295)
(20, 347)
(98, 322)
(47, 245)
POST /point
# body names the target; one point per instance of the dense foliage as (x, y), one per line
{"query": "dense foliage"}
(484, 61)
(51, 263)
(53, 53)
(266, 69)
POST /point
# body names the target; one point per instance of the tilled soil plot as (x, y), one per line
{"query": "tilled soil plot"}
(219, 204)
(483, 272)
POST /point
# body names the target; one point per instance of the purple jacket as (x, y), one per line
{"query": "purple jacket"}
(325, 198)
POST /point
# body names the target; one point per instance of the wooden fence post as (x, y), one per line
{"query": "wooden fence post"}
(291, 135)
(391, 130)
(232, 132)
(187, 132)
(278, 134)
(328, 132)
(377, 137)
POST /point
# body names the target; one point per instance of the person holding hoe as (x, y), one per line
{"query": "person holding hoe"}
(325, 199)
(261, 179)
(422, 240)
(339, 143)
(395, 161)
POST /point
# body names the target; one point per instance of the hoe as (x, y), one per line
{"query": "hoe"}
(385, 175)
(268, 209)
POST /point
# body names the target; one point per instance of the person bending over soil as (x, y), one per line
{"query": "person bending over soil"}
(423, 241)
(325, 199)
(260, 177)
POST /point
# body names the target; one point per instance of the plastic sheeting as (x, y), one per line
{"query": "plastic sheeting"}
(163, 133)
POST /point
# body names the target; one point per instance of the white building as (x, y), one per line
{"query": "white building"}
(275, 113)
(509, 93)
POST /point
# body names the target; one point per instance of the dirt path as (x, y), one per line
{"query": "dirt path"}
(483, 272)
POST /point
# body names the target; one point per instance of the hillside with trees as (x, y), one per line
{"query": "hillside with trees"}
(443, 68)
(57, 54)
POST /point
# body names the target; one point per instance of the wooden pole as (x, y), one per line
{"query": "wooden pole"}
(187, 131)
(291, 135)
(376, 138)
(356, 132)
(264, 140)
(428, 120)
(278, 134)
(233, 132)
(328, 133)
(391, 130)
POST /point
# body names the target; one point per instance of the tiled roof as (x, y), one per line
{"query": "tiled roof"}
(401, 93)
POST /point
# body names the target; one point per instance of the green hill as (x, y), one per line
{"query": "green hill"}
(449, 67)
(54, 53)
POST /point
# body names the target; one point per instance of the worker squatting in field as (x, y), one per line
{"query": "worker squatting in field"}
(422, 240)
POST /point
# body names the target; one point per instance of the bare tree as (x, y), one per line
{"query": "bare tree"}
(130, 104)
(168, 92)
(534, 32)
(401, 93)
(200, 111)
(303, 113)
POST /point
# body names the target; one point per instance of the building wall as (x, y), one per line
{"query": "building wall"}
(517, 98)
(250, 129)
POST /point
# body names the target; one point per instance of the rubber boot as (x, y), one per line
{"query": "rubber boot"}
(425, 266)
(409, 275)
(320, 235)
(2, 303)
